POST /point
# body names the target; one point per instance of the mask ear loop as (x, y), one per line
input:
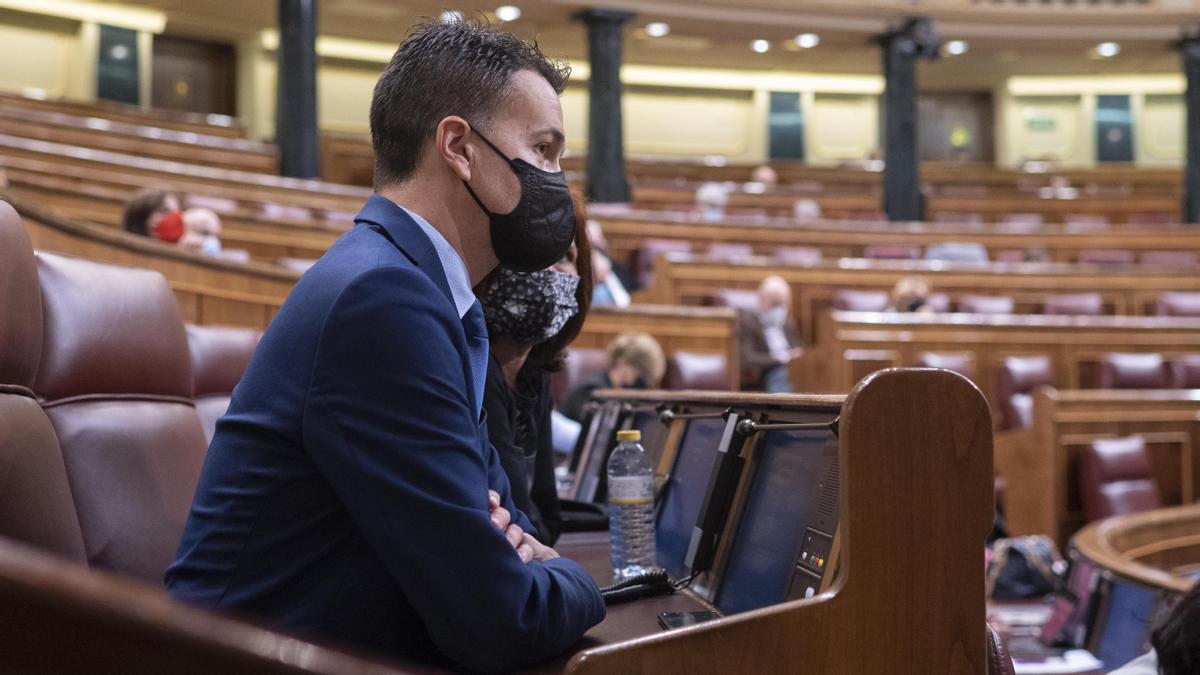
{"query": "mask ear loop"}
(496, 150)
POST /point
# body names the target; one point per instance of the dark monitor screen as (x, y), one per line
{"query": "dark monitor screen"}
(778, 520)
(1128, 617)
(683, 493)
(601, 432)
(654, 432)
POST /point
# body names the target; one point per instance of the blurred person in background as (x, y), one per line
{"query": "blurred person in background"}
(711, 199)
(769, 341)
(154, 213)
(633, 361)
(202, 232)
(806, 211)
(614, 281)
(911, 294)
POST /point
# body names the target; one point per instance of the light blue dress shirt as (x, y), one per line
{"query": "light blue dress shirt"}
(452, 265)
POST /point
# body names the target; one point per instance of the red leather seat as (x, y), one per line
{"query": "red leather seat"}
(985, 304)
(1106, 256)
(962, 363)
(1178, 304)
(730, 252)
(1115, 478)
(1119, 370)
(300, 265)
(938, 302)
(999, 661)
(736, 298)
(36, 506)
(798, 255)
(1077, 304)
(581, 363)
(650, 249)
(115, 380)
(690, 370)
(1181, 259)
(1185, 371)
(889, 252)
(861, 301)
(219, 357)
(1016, 378)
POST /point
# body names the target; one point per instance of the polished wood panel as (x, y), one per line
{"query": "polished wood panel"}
(1156, 548)
(1039, 463)
(910, 576)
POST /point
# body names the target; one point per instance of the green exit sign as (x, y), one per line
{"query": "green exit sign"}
(1040, 123)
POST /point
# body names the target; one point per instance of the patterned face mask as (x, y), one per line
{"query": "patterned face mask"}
(530, 308)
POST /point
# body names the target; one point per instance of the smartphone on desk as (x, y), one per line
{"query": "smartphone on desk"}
(671, 620)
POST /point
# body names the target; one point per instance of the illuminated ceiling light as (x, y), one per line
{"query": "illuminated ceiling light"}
(657, 29)
(451, 16)
(956, 48)
(807, 40)
(508, 13)
(1108, 49)
(760, 46)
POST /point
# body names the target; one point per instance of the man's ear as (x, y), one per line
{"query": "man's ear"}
(450, 140)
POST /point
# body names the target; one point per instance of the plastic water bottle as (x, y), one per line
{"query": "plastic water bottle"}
(631, 507)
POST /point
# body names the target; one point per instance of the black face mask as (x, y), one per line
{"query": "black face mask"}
(541, 227)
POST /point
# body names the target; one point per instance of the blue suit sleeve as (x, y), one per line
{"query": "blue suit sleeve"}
(389, 423)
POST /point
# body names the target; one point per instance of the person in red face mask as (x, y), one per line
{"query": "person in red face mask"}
(154, 213)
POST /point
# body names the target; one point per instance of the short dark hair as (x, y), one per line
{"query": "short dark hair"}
(1177, 639)
(135, 217)
(463, 68)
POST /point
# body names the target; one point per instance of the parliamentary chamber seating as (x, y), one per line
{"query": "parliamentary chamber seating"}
(102, 437)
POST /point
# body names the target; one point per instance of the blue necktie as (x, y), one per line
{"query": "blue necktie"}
(477, 346)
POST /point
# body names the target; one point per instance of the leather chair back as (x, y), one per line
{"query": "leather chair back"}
(999, 661)
(962, 363)
(737, 298)
(581, 363)
(861, 301)
(690, 370)
(649, 251)
(985, 304)
(798, 255)
(1075, 304)
(1121, 370)
(219, 357)
(36, 506)
(730, 252)
(1106, 256)
(1115, 478)
(1016, 379)
(1182, 259)
(891, 252)
(1178, 304)
(957, 251)
(1185, 371)
(116, 382)
(938, 303)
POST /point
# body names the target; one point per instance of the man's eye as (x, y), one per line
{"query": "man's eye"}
(543, 149)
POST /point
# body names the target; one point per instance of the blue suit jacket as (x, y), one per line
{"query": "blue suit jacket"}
(344, 495)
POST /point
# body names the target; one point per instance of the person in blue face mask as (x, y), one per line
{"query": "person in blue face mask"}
(351, 494)
(531, 319)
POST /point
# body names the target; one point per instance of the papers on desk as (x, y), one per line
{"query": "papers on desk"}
(1071, 661)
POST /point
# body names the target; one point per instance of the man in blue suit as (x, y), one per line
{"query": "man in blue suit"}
(351, 493)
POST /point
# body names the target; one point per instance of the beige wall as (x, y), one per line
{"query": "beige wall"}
(1054, 118)
(40, 53)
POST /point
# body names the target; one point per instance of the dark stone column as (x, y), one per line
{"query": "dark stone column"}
(606, 145)
(902, 173)
(296, 97)
(1189, 49)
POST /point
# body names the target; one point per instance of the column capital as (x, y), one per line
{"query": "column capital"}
(600, 16)
(915, 38)
(1188, 45)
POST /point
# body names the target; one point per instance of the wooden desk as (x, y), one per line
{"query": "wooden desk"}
(1040, 463)
(214, 125)
(853, 344)
(627, 233)
(1132, 291)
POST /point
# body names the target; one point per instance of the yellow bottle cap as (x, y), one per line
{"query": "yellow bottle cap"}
(629, 435)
